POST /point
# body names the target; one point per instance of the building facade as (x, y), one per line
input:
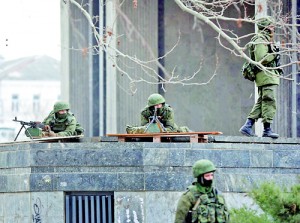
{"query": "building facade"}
(108, 89)
(28, 89)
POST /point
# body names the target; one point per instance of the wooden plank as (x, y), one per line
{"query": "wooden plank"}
(167, 134)
(156, 139)
(194, 137)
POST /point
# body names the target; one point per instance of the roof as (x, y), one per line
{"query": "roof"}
(30, 68)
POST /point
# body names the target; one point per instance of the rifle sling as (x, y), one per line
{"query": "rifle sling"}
(197, 204)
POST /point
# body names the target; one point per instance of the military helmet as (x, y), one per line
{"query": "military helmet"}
(155, 99)
(203, 166)
(60, 106)
(264, 22)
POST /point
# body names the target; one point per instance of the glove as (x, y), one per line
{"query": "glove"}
(52, 134)
(47, 128)
(45, 134)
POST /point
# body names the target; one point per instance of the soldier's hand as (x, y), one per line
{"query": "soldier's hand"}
(47, 128)
(52, 134)
(45, 134)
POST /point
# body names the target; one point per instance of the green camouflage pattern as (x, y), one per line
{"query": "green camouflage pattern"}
(212, 207)
(151, 128)
(58, 106)
(261, 53)
(62, 126)
(203, 166)
(265, 106)
(267, 82)
(165, 116)
(135, 129)
(155, 99)
(33, 132)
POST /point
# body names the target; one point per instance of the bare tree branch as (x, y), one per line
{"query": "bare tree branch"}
(213, 13)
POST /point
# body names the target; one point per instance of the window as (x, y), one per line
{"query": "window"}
(36, 103)
(15, 103)
(1, 107)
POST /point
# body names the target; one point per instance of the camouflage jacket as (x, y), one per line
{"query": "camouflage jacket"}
(212, 207)
(63, 127)
(263, 52)
(165, 115)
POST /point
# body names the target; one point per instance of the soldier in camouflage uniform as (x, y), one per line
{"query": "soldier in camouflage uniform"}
(266, 82)
(61, 122)
(205, 202)
(164, 113)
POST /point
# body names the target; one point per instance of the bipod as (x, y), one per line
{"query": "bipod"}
(23, 126)
(154, 119)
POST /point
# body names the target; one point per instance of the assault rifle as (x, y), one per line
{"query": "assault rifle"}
(190, 216)
(31, 124)
(154, 119)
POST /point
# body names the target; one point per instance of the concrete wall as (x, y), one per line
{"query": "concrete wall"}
(146, 178)
(33, 207)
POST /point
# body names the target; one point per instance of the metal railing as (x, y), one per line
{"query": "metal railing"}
(89, 207)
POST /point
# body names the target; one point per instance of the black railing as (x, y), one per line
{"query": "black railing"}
(89, 207)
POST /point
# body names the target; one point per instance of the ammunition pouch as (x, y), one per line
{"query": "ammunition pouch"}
(249, 71)
(33, 132)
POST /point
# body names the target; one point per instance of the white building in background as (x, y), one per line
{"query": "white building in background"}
(28, 89)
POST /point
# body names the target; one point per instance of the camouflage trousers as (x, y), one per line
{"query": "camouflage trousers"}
(143, 129)
(265, 106)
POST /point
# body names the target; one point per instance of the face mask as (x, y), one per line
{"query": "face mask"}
(203, 182)
(61, 116)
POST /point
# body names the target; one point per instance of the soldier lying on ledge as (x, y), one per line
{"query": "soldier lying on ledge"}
(61, 122)
(157, 116)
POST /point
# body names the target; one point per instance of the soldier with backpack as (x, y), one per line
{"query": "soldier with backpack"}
(264, 51)
(202, 202)
(61, 122)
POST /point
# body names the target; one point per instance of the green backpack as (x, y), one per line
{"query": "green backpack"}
(250, 70)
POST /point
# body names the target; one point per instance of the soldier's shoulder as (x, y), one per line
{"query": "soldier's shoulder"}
(71, 117)
(260, 39)
(167, 107)
(191, 189)
(145, 110)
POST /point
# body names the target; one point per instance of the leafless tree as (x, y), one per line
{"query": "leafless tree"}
(213, 13)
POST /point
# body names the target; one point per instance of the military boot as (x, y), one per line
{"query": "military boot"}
(246, 129)
(268, 131)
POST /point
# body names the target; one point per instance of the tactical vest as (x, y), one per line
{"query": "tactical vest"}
(212, 208)
(59, 125)
(250, 70)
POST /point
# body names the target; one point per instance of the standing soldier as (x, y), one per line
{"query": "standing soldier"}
(266, 81)
(61, 122)
(202, 202)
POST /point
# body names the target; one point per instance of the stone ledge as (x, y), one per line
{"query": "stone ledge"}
(148, 166)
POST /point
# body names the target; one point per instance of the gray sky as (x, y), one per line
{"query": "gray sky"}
(29, 27)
